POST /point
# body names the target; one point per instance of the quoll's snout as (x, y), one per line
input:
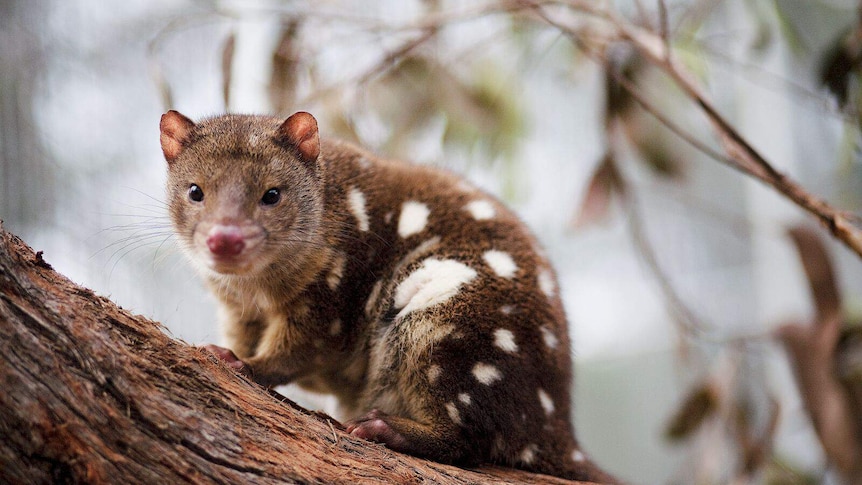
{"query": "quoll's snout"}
(225, 241)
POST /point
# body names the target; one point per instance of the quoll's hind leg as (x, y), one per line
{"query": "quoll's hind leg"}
(436, 442)
(228, 357)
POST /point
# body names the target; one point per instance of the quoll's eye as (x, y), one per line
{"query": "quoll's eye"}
(271, 197)
(195, 193)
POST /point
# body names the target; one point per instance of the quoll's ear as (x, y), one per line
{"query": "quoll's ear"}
(175, 131)
(299, 132)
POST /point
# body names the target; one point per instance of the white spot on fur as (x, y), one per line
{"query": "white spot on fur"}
(454, 415)
(481, 209)
(434, 372)
(578, 456)
(388, 217)
(501, 263)
(413, 219)
(363, 162)
(465, 398)
(506, 309)
(547, 402)
(335, 327)
(253, 140)
(528, 454)
(356, 203)
(333, 278)
(505, 340)
(546, 283)
(433, 283)
(371, 304)
(486, 374)
(548, 336)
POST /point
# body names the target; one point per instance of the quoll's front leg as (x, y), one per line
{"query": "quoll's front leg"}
(228, 357)
(266, 370)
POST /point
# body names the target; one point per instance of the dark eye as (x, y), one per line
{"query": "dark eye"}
(271, 197)
(195, 193)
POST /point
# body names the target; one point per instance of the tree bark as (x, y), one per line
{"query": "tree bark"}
(91, 393)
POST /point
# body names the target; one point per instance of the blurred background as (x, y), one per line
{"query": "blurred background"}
(675, 269)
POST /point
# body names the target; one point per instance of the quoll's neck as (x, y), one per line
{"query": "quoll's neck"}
(279, 283)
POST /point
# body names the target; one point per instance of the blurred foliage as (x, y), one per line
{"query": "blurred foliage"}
(849, 366)
(480, 113)
(778, 472)
(840, 63)
(286, 61)
(596, 206)
(227, 56)
(700, 404)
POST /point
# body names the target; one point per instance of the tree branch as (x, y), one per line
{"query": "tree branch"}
(94, 394)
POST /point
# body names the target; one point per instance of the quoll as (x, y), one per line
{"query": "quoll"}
(418, 300)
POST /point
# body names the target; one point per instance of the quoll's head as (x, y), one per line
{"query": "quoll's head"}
(243, 190)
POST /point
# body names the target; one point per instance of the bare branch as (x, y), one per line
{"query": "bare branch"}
(738, 149)
(387, 62)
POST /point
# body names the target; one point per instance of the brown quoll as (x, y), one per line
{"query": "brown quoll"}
(418, 300)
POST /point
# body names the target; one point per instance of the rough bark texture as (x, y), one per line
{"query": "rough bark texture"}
(91, 393)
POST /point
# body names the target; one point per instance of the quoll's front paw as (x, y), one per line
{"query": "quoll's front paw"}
(374, 427)
(228, 357)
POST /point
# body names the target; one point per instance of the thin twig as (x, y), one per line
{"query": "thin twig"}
(757, 75)
(642, 12)
(689, 324)
(388, 61)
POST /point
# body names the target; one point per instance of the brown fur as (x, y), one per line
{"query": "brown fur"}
(316, 298)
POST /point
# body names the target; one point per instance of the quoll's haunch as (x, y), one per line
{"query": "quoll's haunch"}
(421, 302)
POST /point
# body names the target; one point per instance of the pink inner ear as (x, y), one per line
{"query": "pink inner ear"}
(175, 130)
(300, 130)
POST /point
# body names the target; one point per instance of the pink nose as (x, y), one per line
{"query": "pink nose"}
(226, 241)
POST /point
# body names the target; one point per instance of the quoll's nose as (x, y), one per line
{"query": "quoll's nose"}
(226, 241)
